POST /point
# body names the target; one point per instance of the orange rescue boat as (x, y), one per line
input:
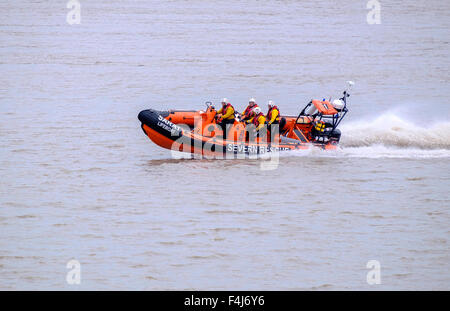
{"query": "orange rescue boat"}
(197, 132)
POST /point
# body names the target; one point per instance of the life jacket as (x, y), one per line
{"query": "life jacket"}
(248, 109)
(225, 108)
(256, 119)
(320, 126)
(269, 113)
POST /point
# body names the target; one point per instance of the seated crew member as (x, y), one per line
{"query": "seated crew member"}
(259, 121)
(225, 116)
(273, 115)
(246, 115)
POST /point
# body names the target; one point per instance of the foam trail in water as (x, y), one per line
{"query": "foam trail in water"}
(380, 151)
(391, 131)
(388, 136)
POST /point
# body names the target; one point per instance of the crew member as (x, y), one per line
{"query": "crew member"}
(225, 116)
(273, 116)
(246, 115)
(258, 120)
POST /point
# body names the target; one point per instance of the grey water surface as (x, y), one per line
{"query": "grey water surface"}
(79, 179)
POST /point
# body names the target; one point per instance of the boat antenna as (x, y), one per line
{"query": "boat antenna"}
(349, 86)
(346, 94)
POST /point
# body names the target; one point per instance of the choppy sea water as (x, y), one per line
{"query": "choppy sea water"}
(79, 180)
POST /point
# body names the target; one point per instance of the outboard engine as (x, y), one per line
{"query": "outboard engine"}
(328, 135)
(335, 136)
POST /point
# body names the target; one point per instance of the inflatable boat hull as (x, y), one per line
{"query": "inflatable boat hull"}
(160, 128)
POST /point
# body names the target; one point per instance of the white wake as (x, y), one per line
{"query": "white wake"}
(388, 136)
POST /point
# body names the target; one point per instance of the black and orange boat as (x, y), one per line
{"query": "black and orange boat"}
(197, 132)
